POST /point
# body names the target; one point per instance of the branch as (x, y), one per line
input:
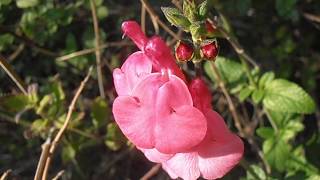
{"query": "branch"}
(153, 171)
(59, 135)
(5, 174)
(97, 46)
(154, 15)
(13, 75)
(92, 50)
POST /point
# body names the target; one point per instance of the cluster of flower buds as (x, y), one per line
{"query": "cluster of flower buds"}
(185, 51)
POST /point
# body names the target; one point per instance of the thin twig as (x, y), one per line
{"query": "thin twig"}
(5, 174)
(237, 120)
(59, 174)
(13, 75)
(156, 17)
(97, 45)
(234, 43)
(42, 160)
(228, 98)
(59, 135)
(152, 172)
(143, 19)
(92, 50)
(17, 52)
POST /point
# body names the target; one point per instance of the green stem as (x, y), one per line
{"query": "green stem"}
(247, 71)
(273, 124)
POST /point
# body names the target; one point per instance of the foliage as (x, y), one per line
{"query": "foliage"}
(278, 98)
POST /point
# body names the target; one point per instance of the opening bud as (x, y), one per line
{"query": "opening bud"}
(209, 50)
(183, 51)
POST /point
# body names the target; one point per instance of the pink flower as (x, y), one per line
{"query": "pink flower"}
(168, 121)
(155, 108)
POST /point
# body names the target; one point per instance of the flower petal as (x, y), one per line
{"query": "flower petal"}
(132, 71)
(160, 54)
(133, 30)
(218, 158)
(221, 150)
(200, 94)
(184, 165)
(154, 155)
(135, 121)
(175, 111)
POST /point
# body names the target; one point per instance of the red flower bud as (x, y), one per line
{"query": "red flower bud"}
(209, 51)
(183, 51)
(209, 27)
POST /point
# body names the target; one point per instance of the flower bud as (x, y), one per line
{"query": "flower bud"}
(209, 51)
(183, 51)
(209, 27)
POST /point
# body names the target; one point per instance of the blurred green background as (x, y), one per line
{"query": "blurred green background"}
(281, 35)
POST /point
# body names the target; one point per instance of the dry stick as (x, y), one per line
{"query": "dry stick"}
(92, 50)
(229, 100)
(60, 173)
(42, 161)
(13, 75)
(154, 15)
(143, 19)
(58, 137)
(97, 45)
(236, 118)
(17, 52)
(153, 171)
(5, 174)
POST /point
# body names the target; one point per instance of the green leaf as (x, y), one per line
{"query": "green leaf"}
(257, 171)
(197, 30)
(266, 78)
(286, 8)
(102, 12)
(276, 152)
(39, 125)
(27, 3)
(115, 139)
(292, 128)
(99, 112)
(6, 41)
(245, 93)
(231, 71)
(68, 153)
(203, 9)
(16, 103)
(190, 11)
(257, 95)
(285, 96)
(176, 18)
(265, 132)
(5, 2)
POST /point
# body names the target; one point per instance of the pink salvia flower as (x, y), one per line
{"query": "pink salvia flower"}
(168, 121)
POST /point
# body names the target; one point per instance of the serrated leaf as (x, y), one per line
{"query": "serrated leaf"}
(265, 132)
(245, 93)
(266, 78)
(203, 9)
(230, 70)
(276, 152)
(176, 18)
(285, 96)
(291, 129)
(197, 30)
(190, 11)
(257, 95)
(27, 3)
